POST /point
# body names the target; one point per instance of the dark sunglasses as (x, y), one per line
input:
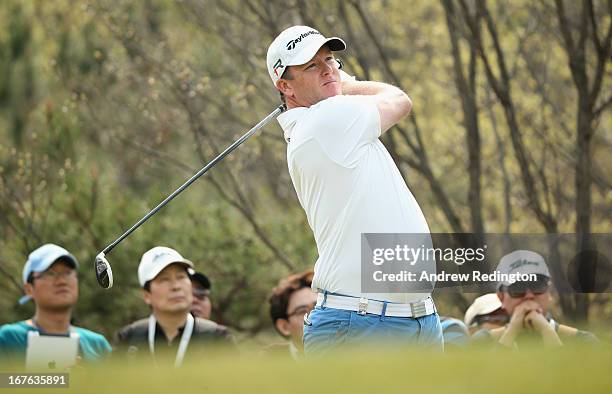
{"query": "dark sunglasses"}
(494, 318)
(519, 289)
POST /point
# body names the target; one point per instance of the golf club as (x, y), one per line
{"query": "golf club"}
(104, 274)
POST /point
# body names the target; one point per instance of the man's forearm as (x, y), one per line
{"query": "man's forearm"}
(369, 88)
(509, 335)
(392, 103)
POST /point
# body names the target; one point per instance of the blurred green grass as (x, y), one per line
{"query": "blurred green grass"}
(577, 370)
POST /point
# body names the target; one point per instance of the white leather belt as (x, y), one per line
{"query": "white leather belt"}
(363, 306)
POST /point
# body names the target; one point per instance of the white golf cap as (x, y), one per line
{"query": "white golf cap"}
(297, 45)
(521, 262)
(482, 305)
(156, 259)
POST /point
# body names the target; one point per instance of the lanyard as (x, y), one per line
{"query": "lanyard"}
(180, 353)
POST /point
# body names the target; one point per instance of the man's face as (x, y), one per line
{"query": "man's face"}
(300, 303)
(537, 292)
(201, 305)
(313, 81)
(170, 290)
(57, 288)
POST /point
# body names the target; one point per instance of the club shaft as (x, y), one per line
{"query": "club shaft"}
(208, 166)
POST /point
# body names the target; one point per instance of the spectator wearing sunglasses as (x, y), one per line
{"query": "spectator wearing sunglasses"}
(201, 305)
(291, 300)
(528, 306)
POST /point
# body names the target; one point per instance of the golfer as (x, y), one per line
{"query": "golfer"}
(348, 184)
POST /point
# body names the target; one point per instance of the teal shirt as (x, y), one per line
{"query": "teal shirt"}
(14, 341)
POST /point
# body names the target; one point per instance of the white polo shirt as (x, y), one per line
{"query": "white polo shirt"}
(348, 184)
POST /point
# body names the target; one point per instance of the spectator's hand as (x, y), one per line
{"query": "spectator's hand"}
(517, 321)
(539, 324)
(536, 321)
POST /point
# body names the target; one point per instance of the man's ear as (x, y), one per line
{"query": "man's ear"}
(146, 296)
(28, 288)
(284, 86)
(500, 295)
(282, 325)
(549, 296)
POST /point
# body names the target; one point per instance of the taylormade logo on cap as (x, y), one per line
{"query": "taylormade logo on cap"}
(295, 46)
(291, 44)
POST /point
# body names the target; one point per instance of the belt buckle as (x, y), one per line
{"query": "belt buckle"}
(363, 306)
(418, 309)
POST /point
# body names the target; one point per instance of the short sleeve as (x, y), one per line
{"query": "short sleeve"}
(344, 126)
(13, 342)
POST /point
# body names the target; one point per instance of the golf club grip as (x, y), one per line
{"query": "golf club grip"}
(185, 185)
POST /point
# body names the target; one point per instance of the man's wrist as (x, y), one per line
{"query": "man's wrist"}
(510, 333)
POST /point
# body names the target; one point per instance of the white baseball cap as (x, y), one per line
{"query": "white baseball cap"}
(297, 45)
(523, 262)
(482, 305)
(156, 259)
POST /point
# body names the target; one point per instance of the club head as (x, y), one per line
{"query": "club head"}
(104, 273)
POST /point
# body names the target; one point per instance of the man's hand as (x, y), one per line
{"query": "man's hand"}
(528, 315)
(517, 321)
(538, 323)
(346, 77)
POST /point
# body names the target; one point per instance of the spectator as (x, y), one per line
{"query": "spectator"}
(166, 288)
(454, 332)
(201, 305)
(50, 280)
(527, 303)
(290, 301)
(485, 313)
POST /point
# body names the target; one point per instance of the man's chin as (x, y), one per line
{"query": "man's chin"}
(60, 307)
(178, 308)
(333, 89)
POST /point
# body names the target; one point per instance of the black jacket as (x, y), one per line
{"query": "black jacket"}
(132, 340)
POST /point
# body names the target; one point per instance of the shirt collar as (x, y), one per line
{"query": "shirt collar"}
(288, 119)
(161, 335)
